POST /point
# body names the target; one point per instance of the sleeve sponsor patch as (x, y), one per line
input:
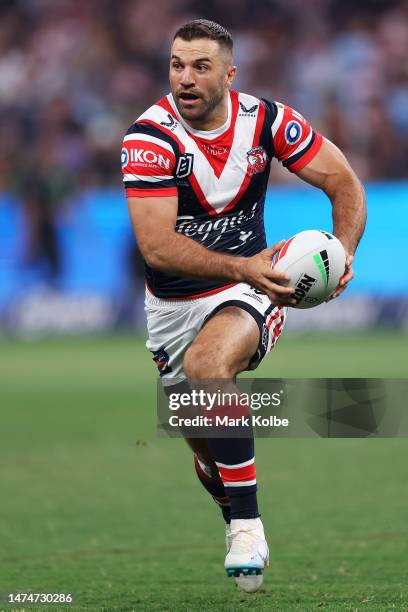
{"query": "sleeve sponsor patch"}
(148, 165)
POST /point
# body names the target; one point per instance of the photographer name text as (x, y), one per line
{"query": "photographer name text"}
(226, 421)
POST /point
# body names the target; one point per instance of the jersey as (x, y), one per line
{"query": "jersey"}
(220, 177)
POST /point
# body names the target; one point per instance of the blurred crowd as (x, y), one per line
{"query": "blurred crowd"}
(74, 74)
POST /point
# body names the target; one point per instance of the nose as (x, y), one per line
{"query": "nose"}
(187, 77)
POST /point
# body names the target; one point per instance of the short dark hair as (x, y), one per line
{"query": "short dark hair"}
(204, 28)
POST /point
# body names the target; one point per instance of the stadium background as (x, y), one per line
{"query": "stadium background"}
(89, 492)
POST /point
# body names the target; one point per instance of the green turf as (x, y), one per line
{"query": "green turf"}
(92, 503)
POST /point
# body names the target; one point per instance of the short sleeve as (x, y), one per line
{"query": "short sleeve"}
(295, 141)
(148, 162)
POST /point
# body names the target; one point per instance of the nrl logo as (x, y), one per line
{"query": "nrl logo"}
(257, 160)
(184, 165)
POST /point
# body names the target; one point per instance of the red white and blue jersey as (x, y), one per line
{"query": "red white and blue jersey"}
(220, 177)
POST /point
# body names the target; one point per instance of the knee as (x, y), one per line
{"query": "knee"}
(200, 364)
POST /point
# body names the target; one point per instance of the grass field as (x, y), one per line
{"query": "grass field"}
(93, 503)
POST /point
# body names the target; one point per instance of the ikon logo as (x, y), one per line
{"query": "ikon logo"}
(143, 156)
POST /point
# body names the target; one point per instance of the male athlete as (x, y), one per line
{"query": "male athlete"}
(196, 167)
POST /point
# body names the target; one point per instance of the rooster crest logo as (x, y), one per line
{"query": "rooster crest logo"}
(257, 160)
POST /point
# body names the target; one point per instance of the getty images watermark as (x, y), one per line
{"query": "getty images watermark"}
(317, 407)
(221, 408)
(239, 405)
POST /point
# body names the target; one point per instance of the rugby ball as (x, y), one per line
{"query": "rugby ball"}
(314, 260)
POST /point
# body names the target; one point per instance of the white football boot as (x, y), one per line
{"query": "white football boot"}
(247, 553)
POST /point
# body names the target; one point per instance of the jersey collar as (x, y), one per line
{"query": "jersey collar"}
(206, 134)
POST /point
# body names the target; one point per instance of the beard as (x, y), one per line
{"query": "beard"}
(203, 110)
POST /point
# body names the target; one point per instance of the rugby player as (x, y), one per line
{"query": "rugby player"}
(195, 169)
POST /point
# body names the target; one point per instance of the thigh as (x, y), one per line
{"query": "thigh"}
(269, 317)
(224, 346)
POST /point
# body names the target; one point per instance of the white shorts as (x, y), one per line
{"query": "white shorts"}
(172, 325)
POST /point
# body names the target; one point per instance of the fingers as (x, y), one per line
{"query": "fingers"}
(274, 287)
(283, 302)
(274, 249)
(279, 278)
(346, 278)
(278, 294)
(342, 286)
(336, 293)
(281, 296)
(279, 300)
(348, 273)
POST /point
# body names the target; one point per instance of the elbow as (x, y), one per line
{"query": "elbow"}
(155, 257)
(341, 181)
(157, 249)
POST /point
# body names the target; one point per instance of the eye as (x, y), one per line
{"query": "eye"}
(176, 66)
(202, 67)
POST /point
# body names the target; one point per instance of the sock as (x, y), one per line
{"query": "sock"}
(235, 460)
(214, 486)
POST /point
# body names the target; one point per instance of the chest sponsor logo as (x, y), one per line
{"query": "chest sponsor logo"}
(184, 165)
(210, 232)
(257, 160)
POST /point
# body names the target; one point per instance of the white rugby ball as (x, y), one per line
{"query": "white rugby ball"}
(314, 260)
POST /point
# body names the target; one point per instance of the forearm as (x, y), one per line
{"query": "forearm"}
(330, 171)
(180, 255)
(349, 211)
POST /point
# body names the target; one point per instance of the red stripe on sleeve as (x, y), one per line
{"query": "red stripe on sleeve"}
(308, 156)
(151, 193)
